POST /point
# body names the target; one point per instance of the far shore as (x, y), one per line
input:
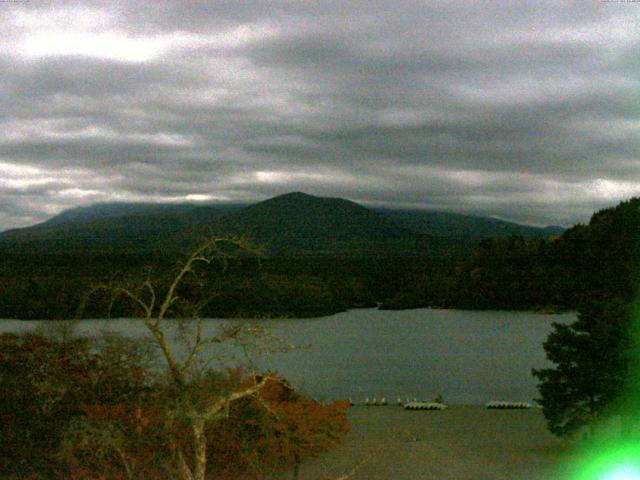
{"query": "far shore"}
(327, 313)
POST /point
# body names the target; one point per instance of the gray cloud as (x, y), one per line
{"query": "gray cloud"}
(527, 110)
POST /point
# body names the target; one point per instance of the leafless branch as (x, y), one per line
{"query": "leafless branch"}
(128, 293)
(221, 404)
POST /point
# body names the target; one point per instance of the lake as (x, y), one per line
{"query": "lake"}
(468, 357)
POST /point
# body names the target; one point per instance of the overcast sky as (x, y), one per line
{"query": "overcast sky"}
(528, 111)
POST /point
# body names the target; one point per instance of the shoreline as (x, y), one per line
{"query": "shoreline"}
(540, 311)
(462, 442)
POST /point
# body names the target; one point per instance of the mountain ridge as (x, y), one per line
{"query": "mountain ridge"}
(292, 223)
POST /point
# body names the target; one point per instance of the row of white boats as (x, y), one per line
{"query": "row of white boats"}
(437, 405)
(502, 405)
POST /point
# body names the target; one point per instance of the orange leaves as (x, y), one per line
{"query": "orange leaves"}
(273, 432)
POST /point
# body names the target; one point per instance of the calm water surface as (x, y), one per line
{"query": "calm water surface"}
(467, 357)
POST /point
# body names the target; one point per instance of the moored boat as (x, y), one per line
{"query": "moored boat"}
(504, 405)
(415, 405)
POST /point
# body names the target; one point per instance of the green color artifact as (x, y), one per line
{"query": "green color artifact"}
(612, 462)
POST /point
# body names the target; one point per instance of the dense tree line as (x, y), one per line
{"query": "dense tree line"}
(587, 263)
(54, 287)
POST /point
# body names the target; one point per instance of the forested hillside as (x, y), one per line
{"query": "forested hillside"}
(587, 263)
(320, 255)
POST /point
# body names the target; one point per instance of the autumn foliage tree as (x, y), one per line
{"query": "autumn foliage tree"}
(274, 430)
(45, 382)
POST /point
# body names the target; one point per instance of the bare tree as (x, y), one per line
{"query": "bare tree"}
(196, 411)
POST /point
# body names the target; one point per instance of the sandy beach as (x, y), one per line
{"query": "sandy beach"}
(460, 443)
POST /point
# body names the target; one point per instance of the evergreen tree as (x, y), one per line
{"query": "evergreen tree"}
(591, 357)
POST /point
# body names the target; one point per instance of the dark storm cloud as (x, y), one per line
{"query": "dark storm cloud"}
(524, 110)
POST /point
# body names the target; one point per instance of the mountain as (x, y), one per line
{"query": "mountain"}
(290, 224)
(301, 223)
(448, 224)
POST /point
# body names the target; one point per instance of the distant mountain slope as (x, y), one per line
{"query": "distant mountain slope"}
(110, 210)
(298, 222)
(110, 234)
(448, 224)
(114, 228)
(294, 223)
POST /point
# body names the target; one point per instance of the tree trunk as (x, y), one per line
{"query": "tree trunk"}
(199, 450)
(183, 469)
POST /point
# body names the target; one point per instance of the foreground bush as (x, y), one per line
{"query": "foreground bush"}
(74, 408)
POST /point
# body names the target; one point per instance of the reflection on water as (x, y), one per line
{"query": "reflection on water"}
(467, 357)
